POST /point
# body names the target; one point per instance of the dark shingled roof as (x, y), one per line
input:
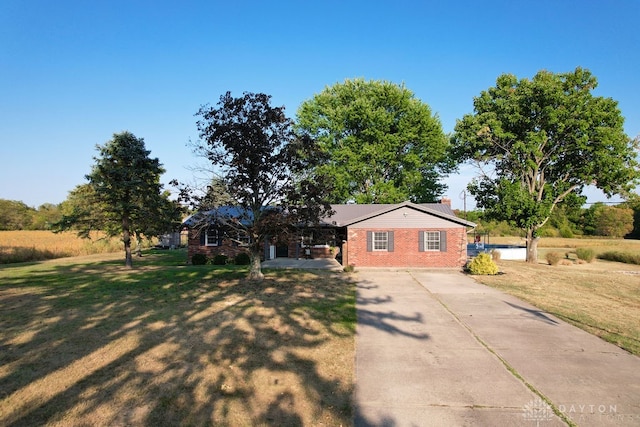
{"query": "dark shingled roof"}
(344, 215)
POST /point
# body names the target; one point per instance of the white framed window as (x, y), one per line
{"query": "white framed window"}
(380, 241)
(243, 239)
(211, 237)
(431, 240)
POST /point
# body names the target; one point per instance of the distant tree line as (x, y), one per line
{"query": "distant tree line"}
(16, 215)
(598, 220)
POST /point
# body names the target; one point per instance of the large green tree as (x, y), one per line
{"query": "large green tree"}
(537, 141)
(123, 196)
(383, 144)
(265, 170)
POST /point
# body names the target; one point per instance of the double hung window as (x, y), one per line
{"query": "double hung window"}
(211, 237)
(380, 241)
(431, 240)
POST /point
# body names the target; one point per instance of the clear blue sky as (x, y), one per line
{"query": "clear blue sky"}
(72, 73)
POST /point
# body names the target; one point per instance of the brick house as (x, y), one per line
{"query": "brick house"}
(402, 235)
(378, 235)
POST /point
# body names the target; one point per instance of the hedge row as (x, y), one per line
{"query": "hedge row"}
(240, 259)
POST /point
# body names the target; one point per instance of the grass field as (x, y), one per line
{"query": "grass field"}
(560, 244)
(602, 297)
(84, 341)
(36, 245)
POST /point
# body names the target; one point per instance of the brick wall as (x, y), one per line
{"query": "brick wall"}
(228, 248)
(406, 250)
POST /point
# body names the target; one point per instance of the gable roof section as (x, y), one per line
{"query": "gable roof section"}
(346, 215)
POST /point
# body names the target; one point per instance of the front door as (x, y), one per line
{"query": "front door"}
(282, 251)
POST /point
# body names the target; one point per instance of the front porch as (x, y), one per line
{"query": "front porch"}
(293, 263)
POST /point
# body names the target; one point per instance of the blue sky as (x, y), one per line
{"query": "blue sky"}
(72, 73)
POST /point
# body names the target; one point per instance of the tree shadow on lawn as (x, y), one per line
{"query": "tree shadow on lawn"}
(96, 344)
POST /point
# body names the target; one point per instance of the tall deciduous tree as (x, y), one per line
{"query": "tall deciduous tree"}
(264, 166)
(538, 141)
(124, 194)
(383, 144)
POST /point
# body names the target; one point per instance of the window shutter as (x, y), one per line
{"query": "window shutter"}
(203, 236)
(219, 233)
(390, 241)
(369, 241)
(421, 241)
(443, 241)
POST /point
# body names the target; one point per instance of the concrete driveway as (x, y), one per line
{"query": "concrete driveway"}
(435, 348)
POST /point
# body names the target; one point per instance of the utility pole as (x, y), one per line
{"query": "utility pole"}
(463, 196)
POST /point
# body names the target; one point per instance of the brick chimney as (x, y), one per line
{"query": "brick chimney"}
(446, 201)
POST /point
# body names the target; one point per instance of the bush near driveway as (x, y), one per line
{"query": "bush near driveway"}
(483, 264)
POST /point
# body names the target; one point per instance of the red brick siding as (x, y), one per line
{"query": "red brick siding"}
(406, 251)
(227, 248)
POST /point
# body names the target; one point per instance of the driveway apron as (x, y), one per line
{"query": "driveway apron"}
(438, 349)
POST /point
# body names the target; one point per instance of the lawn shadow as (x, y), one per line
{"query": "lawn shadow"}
(174, 345)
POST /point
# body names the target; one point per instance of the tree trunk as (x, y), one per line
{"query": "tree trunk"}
(138, 245)
(255, 270)
(126, 239)
(532, 247)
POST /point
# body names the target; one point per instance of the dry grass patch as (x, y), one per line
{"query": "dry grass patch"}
(568, 245)
(90, 343)
(567, 248)
(37, 245)
(600, 297)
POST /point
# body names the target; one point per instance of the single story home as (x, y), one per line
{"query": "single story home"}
(377, 235)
